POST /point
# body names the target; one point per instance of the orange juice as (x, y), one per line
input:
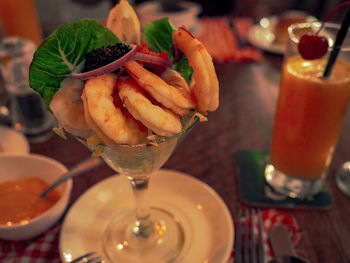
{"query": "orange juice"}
(19, 18)
(309, 115)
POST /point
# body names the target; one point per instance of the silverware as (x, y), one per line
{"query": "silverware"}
(249, 245)
(282, 246)
(81, 167)
(90, 257)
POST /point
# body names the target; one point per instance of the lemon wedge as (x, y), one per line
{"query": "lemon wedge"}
(122, 20)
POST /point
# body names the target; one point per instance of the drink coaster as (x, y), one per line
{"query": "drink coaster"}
(254, 190)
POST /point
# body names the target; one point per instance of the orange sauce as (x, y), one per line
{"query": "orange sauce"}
(20, 201)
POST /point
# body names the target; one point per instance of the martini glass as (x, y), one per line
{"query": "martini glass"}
(144, 233)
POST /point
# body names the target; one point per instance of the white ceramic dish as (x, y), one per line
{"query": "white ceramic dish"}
(12, 141)
(205, 218)
(262, 35)
(17, 166)
(150, 11)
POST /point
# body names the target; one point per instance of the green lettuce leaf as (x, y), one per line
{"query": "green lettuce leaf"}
(184, 68)
(63, 51)
(159, 36)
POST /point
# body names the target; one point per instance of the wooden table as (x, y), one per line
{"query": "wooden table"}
(243, 121)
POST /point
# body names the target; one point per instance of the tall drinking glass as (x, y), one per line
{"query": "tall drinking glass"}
(19, 18)
(309, 115)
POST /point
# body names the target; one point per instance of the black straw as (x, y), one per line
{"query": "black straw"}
(337, 45)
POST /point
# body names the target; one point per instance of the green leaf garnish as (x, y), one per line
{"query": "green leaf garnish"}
(184, 68)
(63, 51)
(159, 36)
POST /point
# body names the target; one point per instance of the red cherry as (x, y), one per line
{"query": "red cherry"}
(312, 46)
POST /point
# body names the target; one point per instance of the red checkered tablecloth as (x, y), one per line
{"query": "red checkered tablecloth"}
(270, 218)
(44, 249)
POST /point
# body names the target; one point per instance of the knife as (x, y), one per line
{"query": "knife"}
(282, 246)
(280, 241)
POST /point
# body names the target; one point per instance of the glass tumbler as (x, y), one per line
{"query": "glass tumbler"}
(309, 115)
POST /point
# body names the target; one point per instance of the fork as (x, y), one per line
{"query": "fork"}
(90, 257)
(249, 251)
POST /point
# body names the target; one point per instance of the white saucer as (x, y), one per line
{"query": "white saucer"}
(12, 141)
(262, 34)
(149, 11)
(264, 38)
(204, 216)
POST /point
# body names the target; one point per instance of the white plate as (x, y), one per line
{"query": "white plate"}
(264, 38)
(262, 34)
(12, 141)
(149, 11)
(204, 216)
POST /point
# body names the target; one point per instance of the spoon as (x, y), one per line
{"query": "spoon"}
(342, 178)
(79, 168)
(282, 246)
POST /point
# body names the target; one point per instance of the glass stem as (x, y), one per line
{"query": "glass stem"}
(143, 226)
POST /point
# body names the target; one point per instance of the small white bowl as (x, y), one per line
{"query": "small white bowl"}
(12, 141)
(18, 166)
(151, 10)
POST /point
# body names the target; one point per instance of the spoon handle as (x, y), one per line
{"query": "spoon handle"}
(81, 167)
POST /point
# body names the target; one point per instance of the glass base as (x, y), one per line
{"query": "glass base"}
(291, 186)
(128, 241)
(342, 178)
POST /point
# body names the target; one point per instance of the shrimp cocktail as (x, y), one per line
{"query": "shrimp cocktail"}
(311, 105)
(130, 99)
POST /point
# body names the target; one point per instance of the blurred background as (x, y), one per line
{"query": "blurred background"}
(55, 12)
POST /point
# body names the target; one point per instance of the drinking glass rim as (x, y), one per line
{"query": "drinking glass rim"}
(316, 25)
(195, 121)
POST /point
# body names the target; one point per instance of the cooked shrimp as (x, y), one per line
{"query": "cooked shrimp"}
(204, 82)
(67, 106)
(167, 95)
(161, 121)
(175, 79)
(108, 120)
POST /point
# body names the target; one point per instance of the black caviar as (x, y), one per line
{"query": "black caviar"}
(102, 56)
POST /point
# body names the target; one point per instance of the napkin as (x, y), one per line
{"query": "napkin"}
(221, 40)
(271, 217)
(44, 249)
